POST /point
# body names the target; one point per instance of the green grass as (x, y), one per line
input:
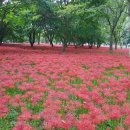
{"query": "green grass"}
(32, 64)
(37, 124)
(76, 81)
(95, 82)
(84, 67)
(8, 122)
(73, 128)
(128, 95)
(30, 79)
(80, 110)
(35, 108)
(75, 98)
(111, 124)
(13, 91)
(39, 106)
(8, 71)
(63, 112)
(110, 100)
(110, 71)
(89, 88)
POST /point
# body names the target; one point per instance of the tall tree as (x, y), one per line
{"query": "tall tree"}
(113, 12)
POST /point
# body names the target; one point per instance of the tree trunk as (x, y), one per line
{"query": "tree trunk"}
(69, 43)
(111, 46)
(32, 37)
(66, 45)
(115, 45)
(98, 45)
(39, 38)
(120, 44)
(129, 7)
(63, 47)
(1, 39)
(126, 44)
(111, 42)
(75, 46)
(90, 45)
(51, 43)
(82, 44)
(2, 32)
(31, 44)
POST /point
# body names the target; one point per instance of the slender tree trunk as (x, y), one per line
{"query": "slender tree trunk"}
(82, 44)
(64, 46)
(31, 44)
(51, 43)
(129, 7)
(115, 45)
(111, 42)
(98, 45)
(2, 32)
(1, 38)
(32, 37)
(75, 46)
(90, 45)
(115, 40)
(121, 45)
(126, 45)
(69, 43)
(111, 46)
(39, 38)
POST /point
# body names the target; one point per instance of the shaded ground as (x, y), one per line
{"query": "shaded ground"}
(46, 48)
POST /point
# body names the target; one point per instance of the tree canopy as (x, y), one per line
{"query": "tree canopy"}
(65, 21)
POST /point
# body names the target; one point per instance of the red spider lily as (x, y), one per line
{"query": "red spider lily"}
(80, 88)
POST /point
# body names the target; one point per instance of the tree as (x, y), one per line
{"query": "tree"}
(129, 7)
(113, 12)
(66, 21)
(48, 20)
(79, 24)
(5, 8)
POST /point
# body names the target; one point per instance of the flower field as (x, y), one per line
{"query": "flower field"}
(81, 89)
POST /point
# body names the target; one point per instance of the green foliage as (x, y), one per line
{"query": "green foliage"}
(80, 110)
(36, 123)
(76, 21)
(76, 81)
(79, 24)
(10, 120)
(75, 98)
(111, 124)
(128, 95)
(35, 108)
(15, 90)
(95, 82)
(39, 106)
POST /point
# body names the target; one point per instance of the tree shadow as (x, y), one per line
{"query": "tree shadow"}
(57, 49)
